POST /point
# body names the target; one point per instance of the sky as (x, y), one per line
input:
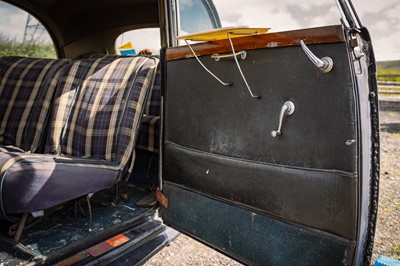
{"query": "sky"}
(382, 18)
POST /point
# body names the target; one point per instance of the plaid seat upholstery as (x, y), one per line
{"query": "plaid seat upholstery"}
(148, 131)
(99, 107)
(93, 128)
(153, 106)
(149, 134)
(26, 90)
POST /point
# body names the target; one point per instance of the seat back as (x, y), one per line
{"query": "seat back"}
(98, 106)
(153, 106)
(149, 134)
(26, 89)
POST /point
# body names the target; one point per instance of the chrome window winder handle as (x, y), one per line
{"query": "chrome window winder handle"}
(287, 109)
(325, 64)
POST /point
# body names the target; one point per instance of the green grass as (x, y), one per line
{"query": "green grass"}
(11, 47)
(388, 70)
(389, 65)
(388, 75)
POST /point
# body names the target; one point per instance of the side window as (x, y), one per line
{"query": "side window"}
(21, 34)
(146, 41)
(196, 15)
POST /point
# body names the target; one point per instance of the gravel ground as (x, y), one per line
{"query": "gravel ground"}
(387, 238)
(186, 251)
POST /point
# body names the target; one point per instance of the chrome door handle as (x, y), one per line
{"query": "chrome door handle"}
(287, 109)
(325, 63)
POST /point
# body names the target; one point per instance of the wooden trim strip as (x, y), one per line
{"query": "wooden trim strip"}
(328, 34)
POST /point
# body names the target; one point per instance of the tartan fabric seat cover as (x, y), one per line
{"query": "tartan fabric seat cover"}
(153, 105)
(93, 129)
(150, 126)
(26, 89)
(98, 106)
(149, 134)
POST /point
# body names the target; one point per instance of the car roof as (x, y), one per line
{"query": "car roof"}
(76, 25)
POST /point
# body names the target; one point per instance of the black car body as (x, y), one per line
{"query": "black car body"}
(279, 167)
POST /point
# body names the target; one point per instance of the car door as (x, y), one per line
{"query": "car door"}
(280, 167)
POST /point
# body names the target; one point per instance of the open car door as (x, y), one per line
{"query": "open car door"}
(284, 171)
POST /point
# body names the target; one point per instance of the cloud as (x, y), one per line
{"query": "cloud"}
(388, 47)
(314, 14)
(393, 12)
(257, 13)
(367, 6)
(280, 15)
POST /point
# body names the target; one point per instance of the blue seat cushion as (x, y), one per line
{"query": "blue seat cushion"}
(36, 182)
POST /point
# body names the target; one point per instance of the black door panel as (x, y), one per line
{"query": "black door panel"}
(209, 117)
(299, 198)
(218, 139)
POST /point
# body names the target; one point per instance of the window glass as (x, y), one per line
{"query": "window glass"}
(194, 16)
(141, 40)
(23, 35)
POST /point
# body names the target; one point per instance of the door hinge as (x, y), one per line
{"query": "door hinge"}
(355, 44)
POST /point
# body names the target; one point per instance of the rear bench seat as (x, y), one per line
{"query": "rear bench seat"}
(93, 127)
